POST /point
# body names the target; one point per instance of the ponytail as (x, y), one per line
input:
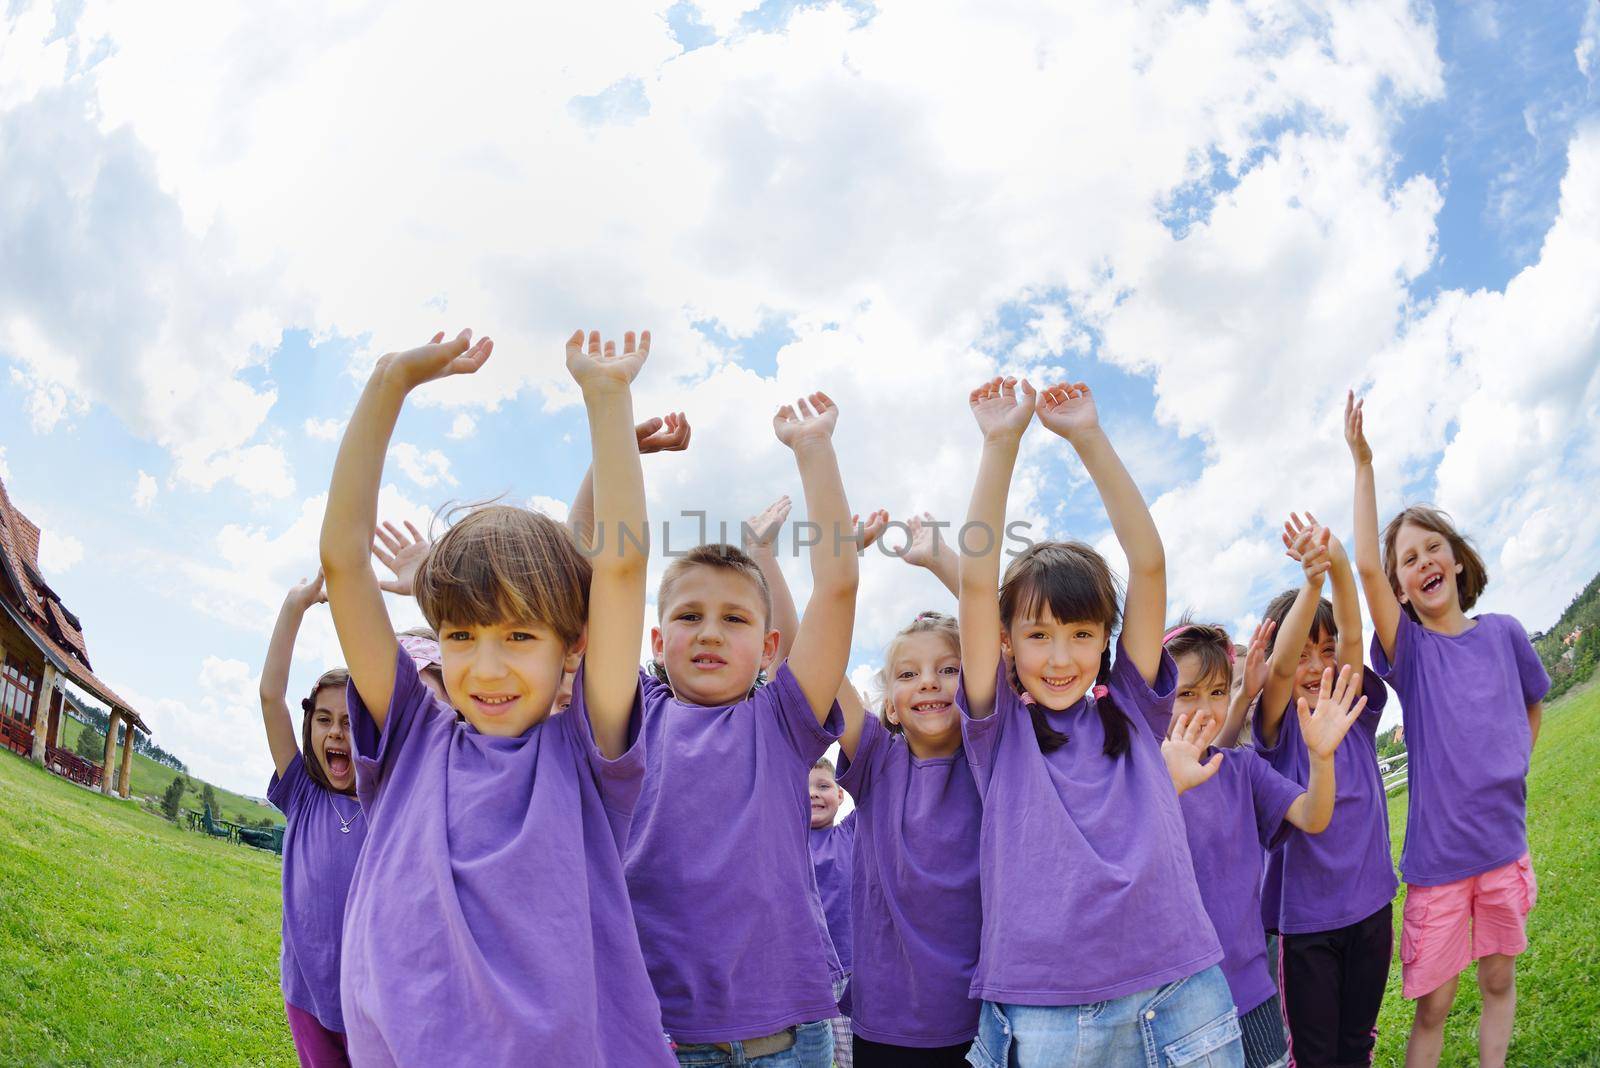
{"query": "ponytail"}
(1113, 722)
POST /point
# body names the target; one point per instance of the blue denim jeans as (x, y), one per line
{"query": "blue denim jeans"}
(1189, 1023)
(813, 1048)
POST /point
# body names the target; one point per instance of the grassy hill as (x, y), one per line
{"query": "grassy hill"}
(1558, 978)
(150, 780)
(126, 940)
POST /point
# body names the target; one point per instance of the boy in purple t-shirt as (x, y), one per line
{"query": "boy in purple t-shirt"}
(718, 865)
(488, 919)
(833, 848)
(1248, 808)
(1471, 692)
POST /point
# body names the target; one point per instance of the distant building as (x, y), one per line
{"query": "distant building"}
(41, 642)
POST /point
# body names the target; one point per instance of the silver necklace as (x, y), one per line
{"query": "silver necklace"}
(344, 824)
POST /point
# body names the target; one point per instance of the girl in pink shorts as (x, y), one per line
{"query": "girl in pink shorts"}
(1470, 688)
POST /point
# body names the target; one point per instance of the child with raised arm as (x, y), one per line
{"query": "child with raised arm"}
(1246, 809)
(313, 785)
(833, 850)
(718, 864)
(488, 920)
(1471, 690)
(915, 902)
(1327, 895)
(1089, 894)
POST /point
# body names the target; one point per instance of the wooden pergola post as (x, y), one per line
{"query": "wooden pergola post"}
(41, 712)
(127, 761)
(111, 751)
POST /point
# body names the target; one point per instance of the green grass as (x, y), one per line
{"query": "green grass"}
(150, 780)
(1558, 978)
(127, 940)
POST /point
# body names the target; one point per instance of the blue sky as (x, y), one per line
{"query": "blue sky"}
(1220, 222)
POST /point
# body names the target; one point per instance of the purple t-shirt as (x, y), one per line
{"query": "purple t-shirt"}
(833, 850)
(719, 867)
(1464, 699)
(917, 906)
(318, 861)
(1321, 882)
(488, 922)
(1088, 890)
(1231, 819)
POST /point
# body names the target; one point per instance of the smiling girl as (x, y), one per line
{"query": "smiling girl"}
(1470, 691)
(313, 784)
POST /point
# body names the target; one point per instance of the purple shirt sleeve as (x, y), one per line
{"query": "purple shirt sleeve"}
(1143, 703)
(783, 702)
(980, 737)
(410, 704)
(619, 780)
(287, 792)
(1272, 794)
(856, 775)
(1394, 671)
(1530, 669)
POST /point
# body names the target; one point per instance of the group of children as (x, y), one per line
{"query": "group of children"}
(509, 844)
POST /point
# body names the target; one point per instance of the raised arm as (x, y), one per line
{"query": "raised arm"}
(1003, 414)
(821, 649)
(282, 738)
(359, 616)
(855, 717)
(1381, 601)
(1338, 707)
(1292, 635)
(927, 549)
(617, 588)
(1068, 410)
(669, 433)
(1346, 601)
(1255, 677)
(760, 536)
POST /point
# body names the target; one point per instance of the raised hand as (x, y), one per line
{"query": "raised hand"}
(1308, 544)
(1255, 658)
(870, 531)
(602, 367)
(438, 359)
(1000, 410)
(1068, 409)
(925, 545)
(1338, 707)
(1184, 754)
(663, 434)
(402, 555)
(809, 417)
(1355, 434)
(305, 594)
(760, 531)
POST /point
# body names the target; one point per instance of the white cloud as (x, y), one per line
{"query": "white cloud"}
(58, 552)
(426, 467)
(463, 426)
(5, 472)
(323, 429)
(550, 506)
(1588, 40)
(144, 493)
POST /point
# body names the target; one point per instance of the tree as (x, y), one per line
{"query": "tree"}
(209, 797)
(172, 799)
(91, 744)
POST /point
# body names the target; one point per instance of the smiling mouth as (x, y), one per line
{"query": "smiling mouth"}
(1432, 583)
(494, 704)
(337, 761)
(708, 662)
(1064, 682)
(925, 708)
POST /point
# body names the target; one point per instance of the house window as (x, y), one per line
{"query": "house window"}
(17, 689)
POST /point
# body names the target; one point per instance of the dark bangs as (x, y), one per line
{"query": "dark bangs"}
(1323, 623)
(1209, 643)
(1067, 577)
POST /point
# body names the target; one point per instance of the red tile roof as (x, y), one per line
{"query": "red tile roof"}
(40, 614)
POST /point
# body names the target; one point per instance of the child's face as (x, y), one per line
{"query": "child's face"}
(826, 796)
(923, 676)
(564, 693)
(1206, 697)
(503, 678)
(1318, 654)
(330, 738)
(712, 639)
(1056, 662)
(1426, 566)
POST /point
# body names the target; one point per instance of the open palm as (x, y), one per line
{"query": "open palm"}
(812, 416)
(1001, 409)
(440, 359)
(1068, 409)
(602, 365)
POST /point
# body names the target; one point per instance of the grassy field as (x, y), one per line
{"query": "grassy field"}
(125, 940)
(150, 780)
(1558, 978)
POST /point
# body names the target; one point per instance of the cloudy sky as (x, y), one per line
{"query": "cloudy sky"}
(1220, 214)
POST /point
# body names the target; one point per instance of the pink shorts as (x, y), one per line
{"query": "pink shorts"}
(1448, 927)
(316, 1046)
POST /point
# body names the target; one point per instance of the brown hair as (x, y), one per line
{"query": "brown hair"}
(925, 623)
(1209, 642)
(1076, 584)
(502, 563)
(333, 679)
(1474, 575)
(1322, 623)
(824, 764)
(723, 557)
